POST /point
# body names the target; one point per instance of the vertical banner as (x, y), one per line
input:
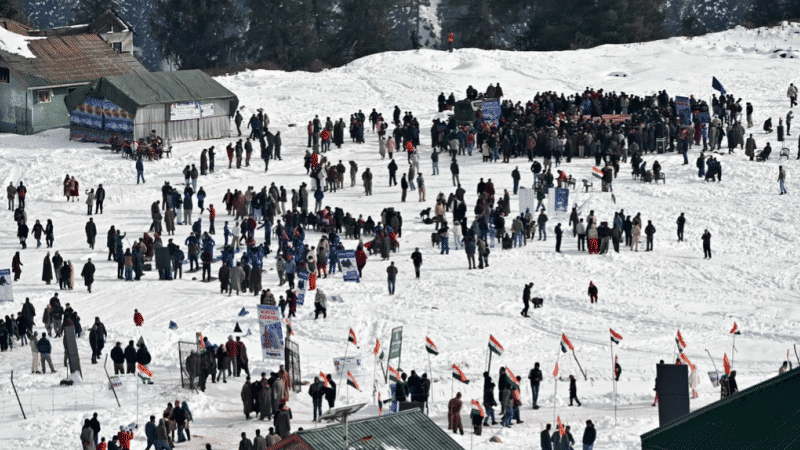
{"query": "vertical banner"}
(527, 200)
(396, 345)
(558, 201)
(302, 287)
(490, 111)
(347, 258)
(683, 109)
(271, 332)
(72, 350)
(6, 292)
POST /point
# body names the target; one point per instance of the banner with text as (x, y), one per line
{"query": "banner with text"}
(271, 332)
(6, 293)
(490, 111)
(349, 364)
(347, 258)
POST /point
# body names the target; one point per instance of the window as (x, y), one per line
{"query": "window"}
(5, 77)
(44, 96)
(117, 47)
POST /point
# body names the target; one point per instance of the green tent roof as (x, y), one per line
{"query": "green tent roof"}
(764, 416)
(407, 430)
(133, 91)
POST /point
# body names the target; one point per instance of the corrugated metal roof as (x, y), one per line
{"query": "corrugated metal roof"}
(133, 91)
(407, 430)
(70, 60)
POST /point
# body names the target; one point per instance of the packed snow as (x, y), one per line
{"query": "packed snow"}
(752, 280)
(16, 43)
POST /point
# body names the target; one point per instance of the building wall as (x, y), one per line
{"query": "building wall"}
(125, 39)
(13, 106)
(45, 116)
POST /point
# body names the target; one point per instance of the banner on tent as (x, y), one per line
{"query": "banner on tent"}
(343, 365)
(184, 111)
(271, 332)
(490, 111)
(6, 291)
(347, 258)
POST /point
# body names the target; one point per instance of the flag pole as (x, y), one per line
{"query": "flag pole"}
(733, 347)
(341, 373)
(712, 362)
(579, 365)
(431, 376)
(490, 361)
(613, 379)
(451, 386)
(136, 375)
(374, 377)
(555, 388)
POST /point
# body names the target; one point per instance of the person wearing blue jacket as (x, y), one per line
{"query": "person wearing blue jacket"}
(44, 348)
(139, 170)
(177, 262)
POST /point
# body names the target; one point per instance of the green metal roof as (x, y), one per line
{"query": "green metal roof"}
(406, 430)
(764, 416)
(133, 91)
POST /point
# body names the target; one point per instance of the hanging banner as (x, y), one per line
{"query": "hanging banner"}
(207, 110)
(396, 344)
(683, 109)
(302, 287)
(490, 111)
(349, 364)
(184, 111)
(347, 258)
(6, 293)
(271, 332)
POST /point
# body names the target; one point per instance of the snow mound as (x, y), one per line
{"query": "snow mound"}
(16, 43)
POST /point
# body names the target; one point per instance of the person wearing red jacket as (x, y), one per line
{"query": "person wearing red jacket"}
(229, 150)
(361, 259)
(233, 353)
(310, 132)
(124, 438)
(137, 318)
(212, 214)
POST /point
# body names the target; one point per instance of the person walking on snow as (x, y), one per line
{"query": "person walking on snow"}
(782, 180)
(592, 293)
(526, 298)
(139, 170)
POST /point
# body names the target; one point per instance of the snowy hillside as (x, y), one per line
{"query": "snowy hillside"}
(753, 278)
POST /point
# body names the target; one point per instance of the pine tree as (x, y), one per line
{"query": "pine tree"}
(363, 29)
(197, 34)
(87, 10)
(11, 9)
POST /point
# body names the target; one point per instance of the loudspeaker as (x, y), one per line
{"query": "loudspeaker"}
(672, 387)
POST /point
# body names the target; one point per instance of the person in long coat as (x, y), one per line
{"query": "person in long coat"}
(16, 266)
(169, 221)
(265, 400)
(278, 393)
(255, 280)
(454, 415)
(282, 421)
(88, 274)
(247, 398)
(47, 269)
(203, 162)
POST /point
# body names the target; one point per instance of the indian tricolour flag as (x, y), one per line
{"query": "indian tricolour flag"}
(459, 375)
(495, 346)
(144, 370)
(680, 342)
(393, 375)
(597, 172)
(735, 329)
(615, 337)
(566, 344)
(430, 346)
(352, 337)
(351, 380)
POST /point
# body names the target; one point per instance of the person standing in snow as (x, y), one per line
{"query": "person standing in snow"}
(781, 180)
(139, 170)
(573, 390)
(592, 293)
(649, 231)
(391, 272)
(706, 244)
(526, 298)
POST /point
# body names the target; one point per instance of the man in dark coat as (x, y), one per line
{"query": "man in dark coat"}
(681, 222)
(118, 357)
(526, 299)
(649, 231)
(589, 435)
(545, 438)
(282, 421)
(330, 392)
(416, 257)
(573, 391)
(88, 274)
(130, 358)
(99, 198)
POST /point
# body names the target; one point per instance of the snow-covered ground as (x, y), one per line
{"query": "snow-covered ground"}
(646, 297)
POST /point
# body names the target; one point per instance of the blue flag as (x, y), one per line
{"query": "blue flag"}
(717, 85)
(173, 325)
(243, 312)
